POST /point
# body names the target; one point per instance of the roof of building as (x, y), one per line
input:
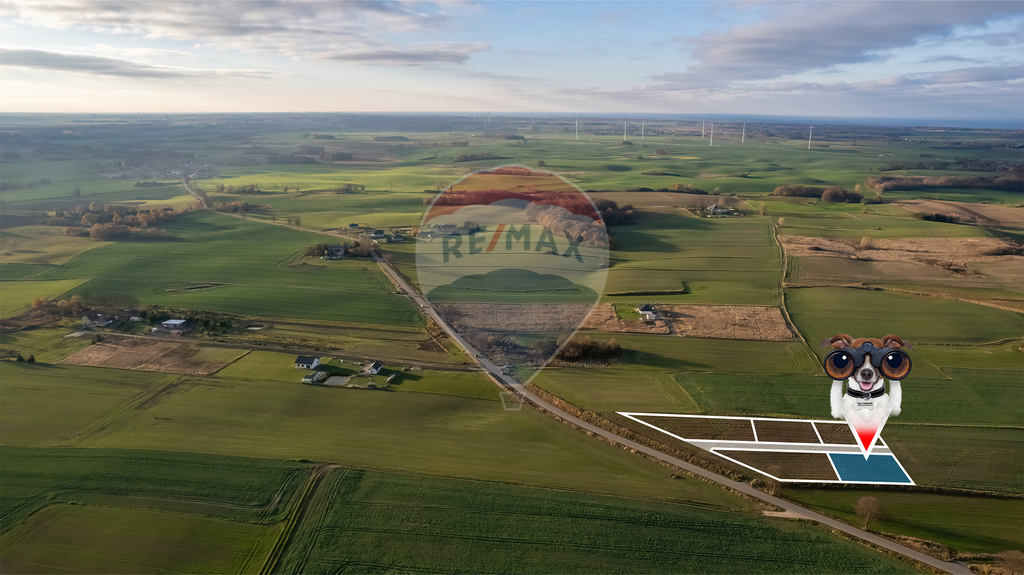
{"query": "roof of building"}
(95, 315)
(305, 359)
(646, 307)
(375, 365)
(174, 321)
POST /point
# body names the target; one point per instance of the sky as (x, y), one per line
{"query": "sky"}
(914, 59)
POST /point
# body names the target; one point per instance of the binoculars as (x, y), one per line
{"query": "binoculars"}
(841, 363)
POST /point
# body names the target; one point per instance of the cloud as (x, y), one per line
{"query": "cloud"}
(819, 36)
(104, 66)
(411, 56)
(300, 29)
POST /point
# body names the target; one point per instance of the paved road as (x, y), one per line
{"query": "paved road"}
(512, 384)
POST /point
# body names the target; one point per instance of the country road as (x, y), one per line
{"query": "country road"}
(514, 385)
(791, 508)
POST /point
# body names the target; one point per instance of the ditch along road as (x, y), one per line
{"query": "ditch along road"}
(794, 510)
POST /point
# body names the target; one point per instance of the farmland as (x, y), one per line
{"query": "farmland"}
(412, 474)
(450, 525)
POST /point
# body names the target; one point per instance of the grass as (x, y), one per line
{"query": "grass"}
(386, 522)
(18, 295)
(220, 252)
(108, 511)
(50, 404)
(48, 345)
(422, 432)
(824, 312)
(722, 260)
(976, 457)
(983, 524)
(41, 246)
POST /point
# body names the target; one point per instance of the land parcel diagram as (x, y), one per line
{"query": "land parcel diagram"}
(203, 452)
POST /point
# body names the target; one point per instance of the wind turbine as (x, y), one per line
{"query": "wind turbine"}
(702, 128)
(642, 124)
(623, 128)
(531, 120)
(743, 136)
(810, 132)
(712, 143)
(577, 126)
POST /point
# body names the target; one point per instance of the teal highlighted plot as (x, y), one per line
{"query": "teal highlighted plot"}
(878, 468)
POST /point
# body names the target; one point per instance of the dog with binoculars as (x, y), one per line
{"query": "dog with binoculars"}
(861, 363)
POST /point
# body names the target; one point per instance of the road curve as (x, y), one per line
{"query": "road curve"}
(512, 384)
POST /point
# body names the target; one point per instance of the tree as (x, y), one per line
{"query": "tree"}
(541, 163)
(20, 358)
(76, 305)
(298, 221)
(39, 302)
(868, 509)
(1012, 562)
(76, 192)
(31, 359)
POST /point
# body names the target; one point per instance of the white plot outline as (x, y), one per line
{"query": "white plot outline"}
(721, 447)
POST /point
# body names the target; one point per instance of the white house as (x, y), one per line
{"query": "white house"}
(647, 311)
(306, 362)
(374, 368)
(173, 324)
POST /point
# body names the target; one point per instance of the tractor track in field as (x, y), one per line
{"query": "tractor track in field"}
(296, 517)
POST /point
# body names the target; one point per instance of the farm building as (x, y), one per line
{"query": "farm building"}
(173, 324)
(97, 319)
(306, 362)
(374, 368)
(647, 311)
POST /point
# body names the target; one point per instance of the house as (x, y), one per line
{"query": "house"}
(334, 252)
(647, 311)
(306, 362)
(717, 210)
(398, 238)
(374, 368)
(173, 324)
(376, 234)
(97, 319)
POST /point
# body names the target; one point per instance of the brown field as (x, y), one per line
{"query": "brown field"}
(836, 433)
(762, 323)
(153, 355)
(704, 428)
(944, 252)
(787, 465)
(785, 431)
(996, 214)
(513, 318)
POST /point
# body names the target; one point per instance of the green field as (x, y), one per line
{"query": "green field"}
(76, 539)
(214, 264)
(456, 526)
(19, 295)
(982, 524)
(823, 312)
(109, 470)
(92, 510)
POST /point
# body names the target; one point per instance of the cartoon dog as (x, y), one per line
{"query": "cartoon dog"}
(862, 363)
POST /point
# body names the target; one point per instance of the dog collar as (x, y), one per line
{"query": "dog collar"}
(866, 394)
